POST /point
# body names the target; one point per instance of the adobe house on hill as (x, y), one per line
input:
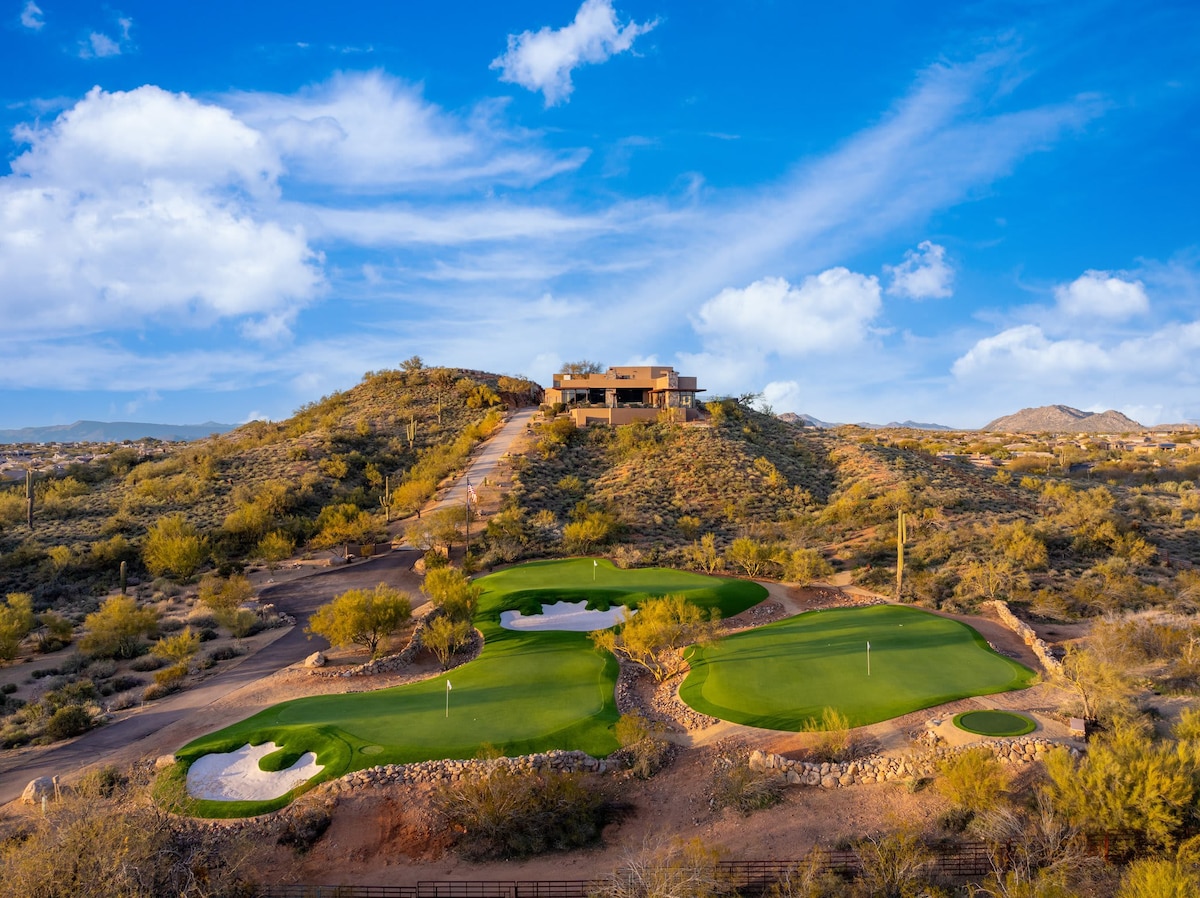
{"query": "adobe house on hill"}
(624, 395)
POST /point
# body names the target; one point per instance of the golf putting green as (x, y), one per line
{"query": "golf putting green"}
(782, 676)
(994, 723)
(528, 691)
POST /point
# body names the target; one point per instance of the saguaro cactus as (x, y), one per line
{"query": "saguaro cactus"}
(124, 577)
(29, 497)
(901, 536)
(386, 499)
(411, 431)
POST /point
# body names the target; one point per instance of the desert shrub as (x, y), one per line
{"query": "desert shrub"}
(68, 721)
(8, 689)
(833, 739)
(895, 865)
(146, 663)
(642, 744)
(301, 829)
(735, 785)
(225, 653)
(208, 634)
(157, 690)
(677, 868)
(972, 780)
(171, 677)
(507, 815)
(124, 683)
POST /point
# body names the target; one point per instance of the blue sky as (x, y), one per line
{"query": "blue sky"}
(872, 211)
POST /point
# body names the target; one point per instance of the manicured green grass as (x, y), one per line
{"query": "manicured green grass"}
(994, 723)
(527, 691)
(783, 675)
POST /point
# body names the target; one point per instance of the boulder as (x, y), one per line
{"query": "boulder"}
(44, 787)
(163, 761)
(316, 659)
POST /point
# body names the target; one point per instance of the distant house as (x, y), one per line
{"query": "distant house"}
(622, 395)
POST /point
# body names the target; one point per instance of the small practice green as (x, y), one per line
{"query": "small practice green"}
(782, 676)
(994, 723)
(528, 691)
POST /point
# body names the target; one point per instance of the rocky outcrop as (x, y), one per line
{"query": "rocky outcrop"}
(882, 769)
(316, 659)
(1040, 647)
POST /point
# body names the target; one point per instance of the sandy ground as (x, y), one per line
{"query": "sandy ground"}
(237, 776)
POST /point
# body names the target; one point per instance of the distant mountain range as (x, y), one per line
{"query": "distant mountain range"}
(112, 432)
(810, 421)
(1063, 419)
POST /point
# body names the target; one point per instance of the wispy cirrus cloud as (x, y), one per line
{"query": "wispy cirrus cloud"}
(32, 17)
(543, 60)
(102, 44)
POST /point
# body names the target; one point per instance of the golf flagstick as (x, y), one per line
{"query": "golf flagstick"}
(448, 698)
(868, 660)
(595, 564)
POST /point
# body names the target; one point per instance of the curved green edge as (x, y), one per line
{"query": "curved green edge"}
(1027, 725)
(529, 687)
(782, 676)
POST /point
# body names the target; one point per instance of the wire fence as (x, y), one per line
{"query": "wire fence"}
(961, 861)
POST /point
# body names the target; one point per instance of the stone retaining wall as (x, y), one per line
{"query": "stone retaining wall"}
(1026, 632)
(880, 769)
(451, 771)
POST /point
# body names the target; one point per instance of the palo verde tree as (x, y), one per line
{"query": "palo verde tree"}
(344, 524)
(362, 617)
(117, 630)
(174, 548)
(16, 621)
(453, 592)
(654, 637)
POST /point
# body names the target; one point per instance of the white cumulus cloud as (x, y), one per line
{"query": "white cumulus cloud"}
(543, 60)
(1100, 294)
(1025, 353)
(31, 16)
(924, 273)
(825, 312)
(139, 205)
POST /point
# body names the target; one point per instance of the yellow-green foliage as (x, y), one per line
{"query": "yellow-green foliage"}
(653, 638)
(364, 617)
(174, 547)
(453, 592)
(972, 780)
(178, 648)
(118, 628)
(1127, 783)
(16, 620)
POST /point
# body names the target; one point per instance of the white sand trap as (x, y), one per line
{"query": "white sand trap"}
(564, 616)
(236, 776)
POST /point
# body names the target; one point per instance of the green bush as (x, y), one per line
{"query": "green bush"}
(68, 721)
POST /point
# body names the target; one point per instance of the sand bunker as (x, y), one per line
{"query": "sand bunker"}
(564, 616)
(236, 776)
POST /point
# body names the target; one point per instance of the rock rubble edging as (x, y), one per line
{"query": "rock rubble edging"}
(883, 769)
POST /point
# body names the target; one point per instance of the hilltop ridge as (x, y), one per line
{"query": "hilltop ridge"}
(1063, 418)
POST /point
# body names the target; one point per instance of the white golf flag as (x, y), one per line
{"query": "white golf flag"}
(868, 645)
(448, 687)
(595, 563)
